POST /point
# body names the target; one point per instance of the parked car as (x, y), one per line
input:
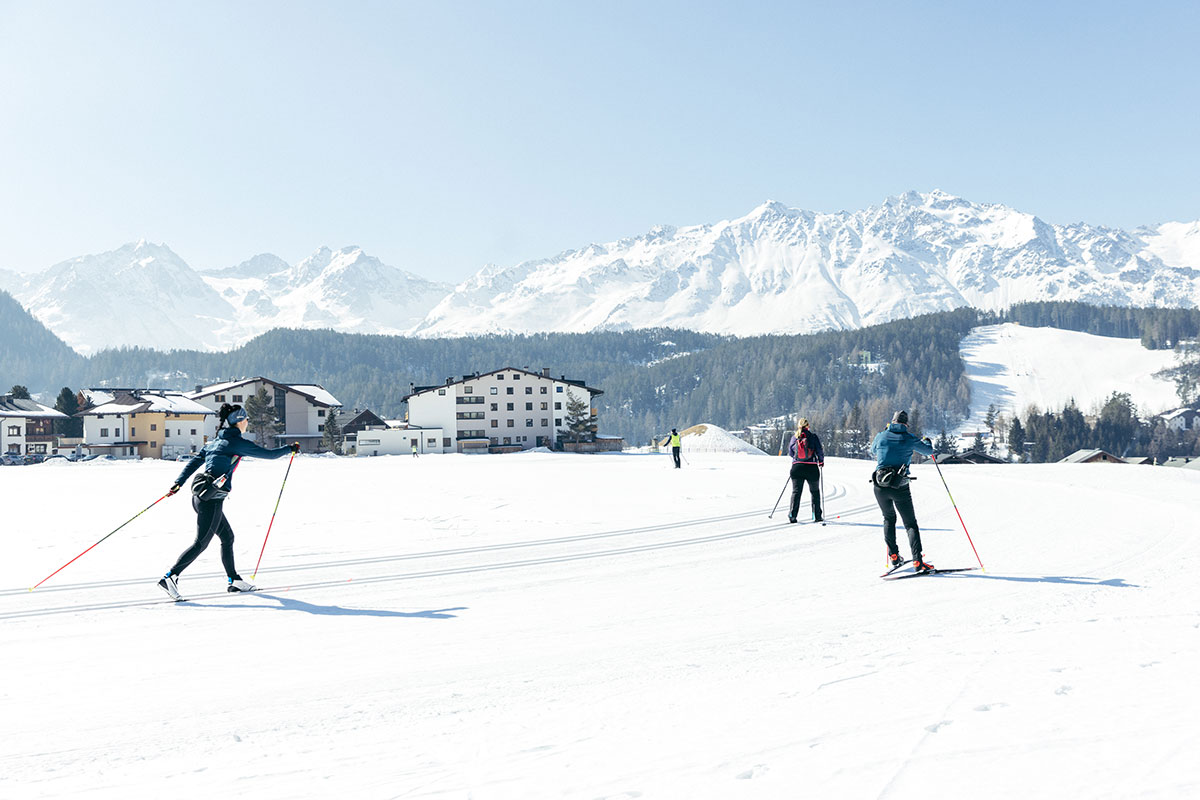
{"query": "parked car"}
(57, 457)
(34, 458)
(11, 460)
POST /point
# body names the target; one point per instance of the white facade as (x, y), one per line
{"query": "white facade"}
(303, 408)
(1182, 419)
(399, 441)
(509, 407)
(25, 427)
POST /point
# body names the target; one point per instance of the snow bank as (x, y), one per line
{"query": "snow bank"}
(709, 438)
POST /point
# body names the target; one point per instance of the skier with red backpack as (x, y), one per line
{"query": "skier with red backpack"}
(808, 458)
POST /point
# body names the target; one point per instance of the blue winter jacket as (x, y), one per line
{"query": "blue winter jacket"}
(895, 446)
(218, 456)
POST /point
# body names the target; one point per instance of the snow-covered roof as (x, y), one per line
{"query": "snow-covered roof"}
(27, 409)
(1180, 412)
(317, 392)
(1080, 456)
(314, 391)
(144, 402)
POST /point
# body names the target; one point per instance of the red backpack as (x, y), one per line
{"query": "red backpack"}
(802, 447)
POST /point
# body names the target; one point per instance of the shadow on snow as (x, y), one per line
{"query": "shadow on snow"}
(291, 604)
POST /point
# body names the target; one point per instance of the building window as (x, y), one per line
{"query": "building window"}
(320, 429)
(558, 389)
(193, 431)
(166, 432)
(153, 427)
(132, 432)
(469, 415)
(320, 412)
(495, 406)
(237, 398)
(510, 423)
(220, 398)
(543, 390)
(558, 406)
(104, 433)
(446, 441)
(529, 406)
(154, 445)
(516, 376)
(528, 423)
(545, 422)
(14, 430)
(558, 422)
(495, 423)
(468, 390)
(442, 392)
(510, 406)
(468, 401)
(528, 390)
(509, 390)
(500, 377)
(495, 390)
(431, 442)
(545, 406)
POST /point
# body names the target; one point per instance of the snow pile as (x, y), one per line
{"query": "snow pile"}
(1014, 367)
(709, 438)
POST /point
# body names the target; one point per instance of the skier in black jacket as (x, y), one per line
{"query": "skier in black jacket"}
(220, 458)
(808, 458)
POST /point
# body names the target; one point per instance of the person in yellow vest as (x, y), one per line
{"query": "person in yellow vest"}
(675, 446)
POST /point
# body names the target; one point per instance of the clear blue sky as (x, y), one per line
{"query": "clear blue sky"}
(440, 136)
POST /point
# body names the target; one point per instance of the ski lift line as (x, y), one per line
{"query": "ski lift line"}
(449, 571)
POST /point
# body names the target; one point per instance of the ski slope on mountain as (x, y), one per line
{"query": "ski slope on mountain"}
(1013, 367)
(545, 625)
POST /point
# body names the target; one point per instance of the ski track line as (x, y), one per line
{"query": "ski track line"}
(464, 570)
(349, 562)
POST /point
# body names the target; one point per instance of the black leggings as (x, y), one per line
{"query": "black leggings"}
(210, 521)
(890, 501)
(811, 474)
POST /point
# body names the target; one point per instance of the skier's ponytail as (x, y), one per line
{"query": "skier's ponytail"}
(225, 412)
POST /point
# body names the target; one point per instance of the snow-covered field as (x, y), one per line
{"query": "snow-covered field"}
(543, 626)
(1014, 367)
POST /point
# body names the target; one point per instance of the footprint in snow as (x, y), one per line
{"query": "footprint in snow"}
(990, 706)
(938, 725)
(753, 772)
(1063, 690)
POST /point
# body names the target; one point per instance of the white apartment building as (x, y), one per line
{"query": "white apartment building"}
(301, 407)
(398, 441)
(499, 411)
(26, 427)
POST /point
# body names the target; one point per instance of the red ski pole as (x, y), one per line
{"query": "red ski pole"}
(272, 522)
(85, 552)
(956, 511)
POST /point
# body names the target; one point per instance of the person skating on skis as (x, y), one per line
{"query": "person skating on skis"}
(676, 446)
(893, 449)
(808, 458)
(220, 458)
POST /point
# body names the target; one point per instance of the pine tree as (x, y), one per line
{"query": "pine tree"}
(990, 419)
(332, 438)
(19, 393)
(977, 444)
(260, 413)
(581, 422)
(68, 403)
(945, 443)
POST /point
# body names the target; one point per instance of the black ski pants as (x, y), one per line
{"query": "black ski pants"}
(675, 455)
(810, 474)
(210, 521)
(890, 501)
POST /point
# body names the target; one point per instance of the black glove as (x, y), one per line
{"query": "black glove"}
(295, 447)
(174, 488)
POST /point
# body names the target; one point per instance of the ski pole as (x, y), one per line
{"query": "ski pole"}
(821, 472)
(956, 511)
(81, 555)
(781, 491)
(272, 522)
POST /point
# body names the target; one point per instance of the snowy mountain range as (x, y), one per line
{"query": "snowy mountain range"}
(775, 270)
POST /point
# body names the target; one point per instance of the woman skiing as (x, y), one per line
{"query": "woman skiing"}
(220, 458)
(808, 458)
(893, 449)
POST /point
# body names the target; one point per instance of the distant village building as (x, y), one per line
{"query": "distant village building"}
(499, 411)
(397, 440)
(971, 457)
(361, 421)
(145, 423)
(1092, 457)
(303, 408)
(1182, 419)
(26, 427)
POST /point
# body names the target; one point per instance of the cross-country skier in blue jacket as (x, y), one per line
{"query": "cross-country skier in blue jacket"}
(893, 449)
(220, 458)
